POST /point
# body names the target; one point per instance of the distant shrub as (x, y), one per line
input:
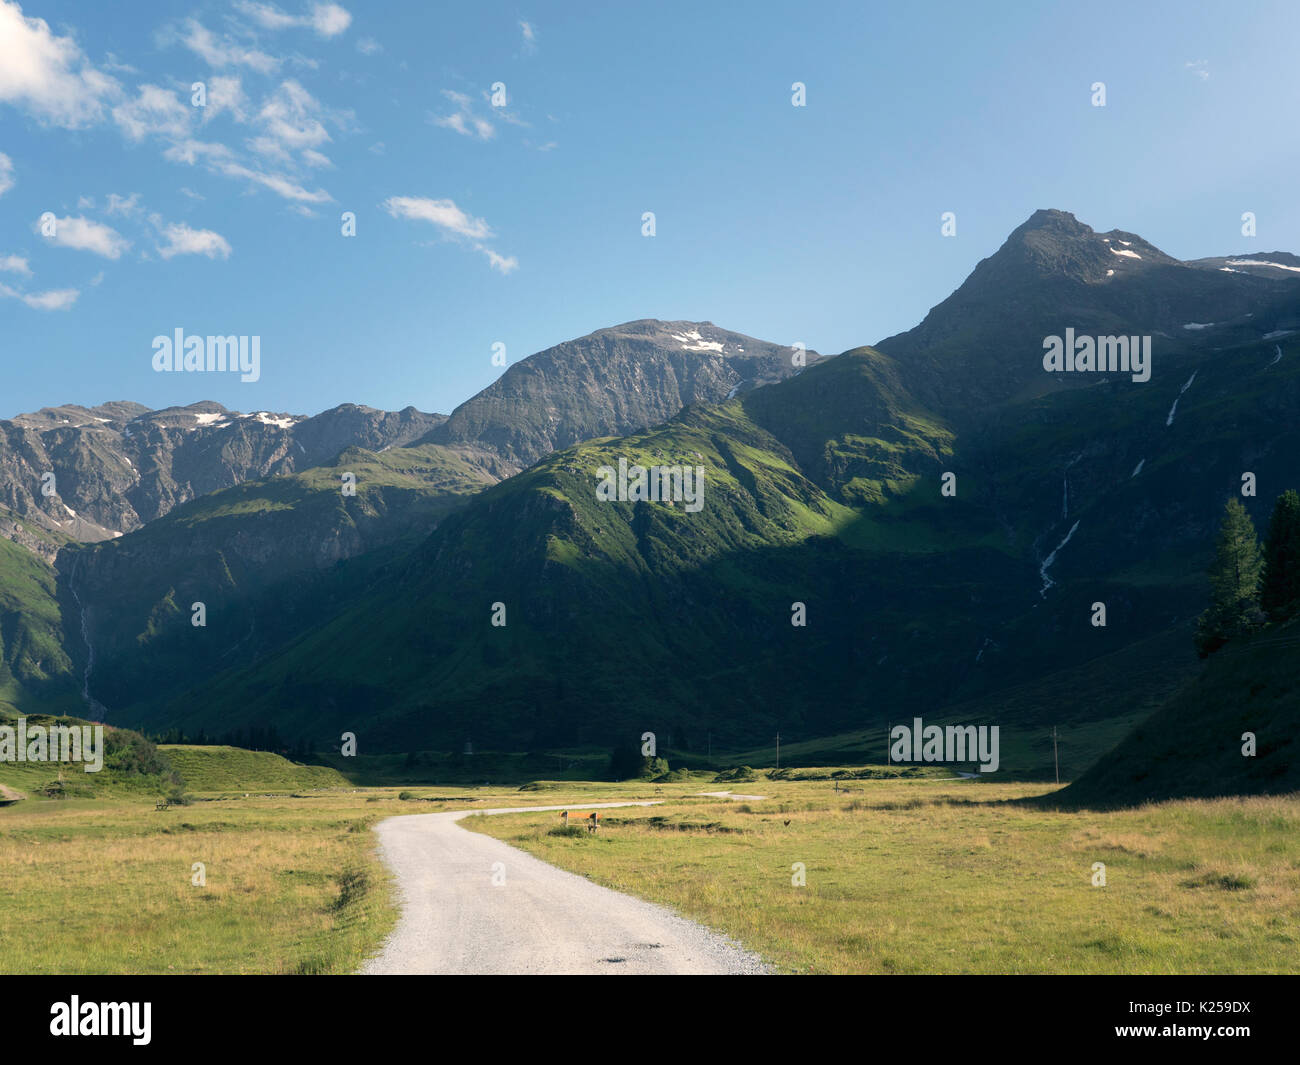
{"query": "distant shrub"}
(177, 797)
(674, 776)
(740, 775)
(406, 795)
(568, 830)
(628, 763)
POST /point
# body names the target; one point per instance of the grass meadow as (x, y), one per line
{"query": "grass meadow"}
(958, 877)
(917, 875)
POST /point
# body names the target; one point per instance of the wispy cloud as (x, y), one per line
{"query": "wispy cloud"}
(15, 264)
(369, 46)
(328, 20)
(1200, 68)
(54, 300)
(291, 116)
(84, 234)
(226, 96)
(154, 112)
(182, 240)
(530, 35)
(451, 222)
(222, 50)
(502, 263)
(277, 183)
(463, 120)
(127, 205)
(6, 173)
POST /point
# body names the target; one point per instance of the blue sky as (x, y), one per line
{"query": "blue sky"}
(521, 224)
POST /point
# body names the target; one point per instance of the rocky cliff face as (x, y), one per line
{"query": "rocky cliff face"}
(612, 382)
(983, 345)
(92, 474)
(148, 512)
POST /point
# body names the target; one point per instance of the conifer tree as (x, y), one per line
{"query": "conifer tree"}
(1279, 592)
(1234, 582)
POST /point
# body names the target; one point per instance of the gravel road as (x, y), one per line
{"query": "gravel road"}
(541, 920)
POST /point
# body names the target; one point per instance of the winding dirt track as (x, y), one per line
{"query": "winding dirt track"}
(474, 905)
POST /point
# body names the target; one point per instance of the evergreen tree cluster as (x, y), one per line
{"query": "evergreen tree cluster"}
(1249, 585)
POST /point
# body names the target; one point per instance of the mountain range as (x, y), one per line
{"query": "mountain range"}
(940, 512)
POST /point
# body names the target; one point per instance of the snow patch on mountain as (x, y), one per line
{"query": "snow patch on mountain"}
(1263, 262)
(700, 343)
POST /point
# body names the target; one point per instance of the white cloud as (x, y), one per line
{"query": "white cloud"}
(442, 213)
(225, 93)
(502, 263)
(328, 20)
(271, 148)
(189, 151)
(369, 46)
(290, 115)
(6, 173)
(83, 234)
(127, 205)
(15, 264)
(182, 240)
(1200, 68)
(224, 51)
(54, 300)
(463, 120)
(268, 16)
(222, 160)
(314, 158)
(453, 222)
(530, 36)
(277, 183)
(154, 111)
(48, 75)
(111, 62)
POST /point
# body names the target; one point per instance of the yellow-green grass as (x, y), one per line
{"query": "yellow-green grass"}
(927, 876)
(916, 875)
(219, 769)
(294, 883)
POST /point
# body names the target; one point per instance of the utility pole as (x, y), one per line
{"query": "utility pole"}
(778, 750)
(1056, 757)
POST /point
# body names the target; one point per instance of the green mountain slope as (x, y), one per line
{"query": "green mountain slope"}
(36, 672)
(252, 555)
(823, 499)
(627, 616)
(1192, 746)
